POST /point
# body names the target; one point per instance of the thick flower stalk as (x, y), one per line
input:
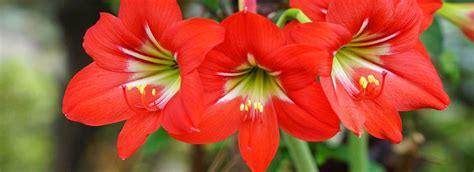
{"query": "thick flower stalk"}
(256, 85)
(460, 14)
(377, 65)
(144, 72)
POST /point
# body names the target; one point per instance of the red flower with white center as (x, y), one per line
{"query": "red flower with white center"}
(377, 68)
(255, 85)
(144, 71)
(460, 14)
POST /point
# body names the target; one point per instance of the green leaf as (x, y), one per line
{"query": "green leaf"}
(211, 4)
(433, 39)
(450, 67)
(156, 142)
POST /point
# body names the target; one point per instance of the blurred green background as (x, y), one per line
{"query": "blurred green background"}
(40, 49)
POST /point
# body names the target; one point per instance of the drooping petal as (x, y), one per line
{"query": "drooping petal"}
(183, 113)
(250, 33)
(342, 103)
(316, 10)
(378, 116)
(104, 41)
(381, 119)
(428, 7)
(309, 117)
(413, 82)
(135, 131)
(191, 40)
(95, 97)
(218, 122)
(175, 118)
(155, 14)
(259, 139)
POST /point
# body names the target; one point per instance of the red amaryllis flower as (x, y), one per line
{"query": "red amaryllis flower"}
(255, 85)
(318, 9)
(460, 14)
(144, 71)
(377, 67)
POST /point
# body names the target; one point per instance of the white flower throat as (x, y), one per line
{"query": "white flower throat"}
(255, 85)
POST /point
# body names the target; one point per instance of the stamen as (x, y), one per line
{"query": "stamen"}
(133, 108)
(363, 82)
(369, 87)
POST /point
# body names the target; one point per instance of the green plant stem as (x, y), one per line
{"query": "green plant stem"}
(292, 13)
(300, 154)
(358, 147)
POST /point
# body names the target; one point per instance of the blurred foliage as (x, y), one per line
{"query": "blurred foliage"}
(28, 105)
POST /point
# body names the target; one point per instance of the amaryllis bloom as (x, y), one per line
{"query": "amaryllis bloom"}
(318, 9)
(460, 14)
(255, 85)
(144, 71)
(377, 66)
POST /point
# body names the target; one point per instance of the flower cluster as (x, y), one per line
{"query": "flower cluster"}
(358, 62)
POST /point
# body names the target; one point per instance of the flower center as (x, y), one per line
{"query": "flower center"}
(255, 85)
(156, 75)
(349, 69)
(361, 57)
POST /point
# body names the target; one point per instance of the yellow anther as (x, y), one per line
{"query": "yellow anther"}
(129, 87)
(372, 79)
(363, 82)
(153, 92)
(255, 104)
(260, 107)
(249, 103)
(141, 88)
(376, 82)
(242, 106)
(246, 108)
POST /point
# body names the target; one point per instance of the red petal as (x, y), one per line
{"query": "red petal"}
(428, 7)
(259, 139)
(315, 10)
(294, 61)
(378, 116)
(219, 122)
(384, 19)
(94, 97)
(175, 118)
(192, 40)
(157, 14)
(250, 33)
(192, 97)
(343, 104)
(135, 131)
(469, 32)
(381, 119)
(310, 116)
(413, 82)
(353, 13)
(104, 40)
(326, 36)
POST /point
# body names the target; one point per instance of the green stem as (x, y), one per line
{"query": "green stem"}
(300, 153)
(358, 149)
(292, 13)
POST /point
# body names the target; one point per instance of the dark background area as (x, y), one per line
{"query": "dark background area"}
(41, 49)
